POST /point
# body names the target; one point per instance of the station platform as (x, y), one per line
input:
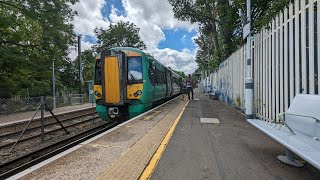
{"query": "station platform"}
(172, 142)
(229, 148)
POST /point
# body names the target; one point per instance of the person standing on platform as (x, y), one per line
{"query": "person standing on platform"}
(183, 88)
(189, 84)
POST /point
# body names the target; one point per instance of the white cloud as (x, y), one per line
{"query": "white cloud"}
(181, 61)
(151, 16)
(89, 16)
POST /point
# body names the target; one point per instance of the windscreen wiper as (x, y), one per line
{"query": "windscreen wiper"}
(132, 77)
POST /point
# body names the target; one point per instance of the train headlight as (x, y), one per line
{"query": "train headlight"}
(97, 94)
(139, 92)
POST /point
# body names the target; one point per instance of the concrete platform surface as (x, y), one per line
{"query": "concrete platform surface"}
(121, 154)
(232, 149)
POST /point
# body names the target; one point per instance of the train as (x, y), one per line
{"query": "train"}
(128, 82)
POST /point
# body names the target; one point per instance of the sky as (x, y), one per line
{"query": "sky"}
(169, 40)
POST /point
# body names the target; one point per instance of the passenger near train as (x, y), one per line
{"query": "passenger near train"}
(129, 82)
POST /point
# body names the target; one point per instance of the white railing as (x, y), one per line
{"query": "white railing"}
(285, 62)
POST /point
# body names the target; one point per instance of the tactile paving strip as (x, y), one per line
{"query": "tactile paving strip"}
(131, 164)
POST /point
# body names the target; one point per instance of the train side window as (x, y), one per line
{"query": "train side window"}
(160, 77)
(164, 80)
(158, 73)
(152, 74)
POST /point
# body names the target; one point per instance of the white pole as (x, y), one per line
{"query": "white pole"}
(249, 80)
(53, 86)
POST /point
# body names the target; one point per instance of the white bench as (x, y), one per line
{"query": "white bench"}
(298, 130)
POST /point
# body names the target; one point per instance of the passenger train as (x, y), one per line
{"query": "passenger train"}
(129, 82)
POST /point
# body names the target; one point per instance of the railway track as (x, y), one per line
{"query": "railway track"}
(18, 126)
(9, 139)
(19, 164)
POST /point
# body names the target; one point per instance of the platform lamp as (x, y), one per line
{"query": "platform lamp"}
(80, 64)
(53, 86)
(246, 30)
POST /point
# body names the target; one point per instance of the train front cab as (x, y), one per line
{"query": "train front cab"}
(118, 84)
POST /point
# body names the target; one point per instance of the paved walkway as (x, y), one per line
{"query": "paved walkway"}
(4, 119)
(232, 149)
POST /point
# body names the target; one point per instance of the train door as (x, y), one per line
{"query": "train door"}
(169, 83)
(114, 79)
(152, 79)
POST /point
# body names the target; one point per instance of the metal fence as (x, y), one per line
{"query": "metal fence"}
(228, 81)
(285, 62)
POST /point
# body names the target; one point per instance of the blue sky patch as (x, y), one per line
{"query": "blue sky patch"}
(177, 39)
(106, 10)
(91, 39)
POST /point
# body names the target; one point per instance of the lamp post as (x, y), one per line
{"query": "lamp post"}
(80, 65)
(249, 79)
(53, 86)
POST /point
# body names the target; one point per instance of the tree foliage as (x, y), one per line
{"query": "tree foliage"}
(262, 11)
(33, 34)
(70, 71)
(180, 73)
(220, 25)
(122, 34)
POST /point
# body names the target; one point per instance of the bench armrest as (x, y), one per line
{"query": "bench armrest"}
(316, 119)
(284, 113)
(280, 117)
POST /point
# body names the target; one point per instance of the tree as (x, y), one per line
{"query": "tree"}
(122, 34)
(69, 76)
(220, 25)
(217, 21)
(88, 62)
(70, 71)
(262, 11)
(180, 73)
(33, 34)
(203, 12)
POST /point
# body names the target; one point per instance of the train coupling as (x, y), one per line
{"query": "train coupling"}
(113, 112)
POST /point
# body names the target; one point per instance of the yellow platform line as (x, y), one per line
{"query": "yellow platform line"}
(146, 174)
